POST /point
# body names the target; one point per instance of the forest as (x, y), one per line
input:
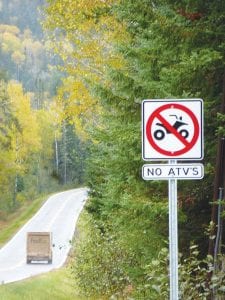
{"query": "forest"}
(76, 119)
(40, 151)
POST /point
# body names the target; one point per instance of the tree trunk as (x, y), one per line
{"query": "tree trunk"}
(56, 155)
(65, 153)
(15, 190)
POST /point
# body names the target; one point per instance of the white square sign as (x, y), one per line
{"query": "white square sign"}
(172, 129)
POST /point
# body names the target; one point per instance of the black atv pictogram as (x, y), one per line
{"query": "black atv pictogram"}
(159, 134)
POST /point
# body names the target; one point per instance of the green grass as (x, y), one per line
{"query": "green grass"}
(17, 220)
(53, 285)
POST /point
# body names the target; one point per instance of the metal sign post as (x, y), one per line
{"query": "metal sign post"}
(173, 237)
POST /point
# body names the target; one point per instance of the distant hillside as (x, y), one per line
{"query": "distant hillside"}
(24, 54)
(22, 13)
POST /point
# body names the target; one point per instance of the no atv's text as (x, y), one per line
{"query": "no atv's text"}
(169, 171)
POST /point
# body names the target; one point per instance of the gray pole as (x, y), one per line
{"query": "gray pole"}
(173, 237)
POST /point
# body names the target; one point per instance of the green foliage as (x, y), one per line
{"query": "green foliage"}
(168, 56)
(156, 281)
(111, 255)
(221, 125)
(71, 156)
(174, 49)
(101, 263)
(104, 267)
(195, 280)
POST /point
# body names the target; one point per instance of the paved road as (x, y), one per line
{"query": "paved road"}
(58, 215)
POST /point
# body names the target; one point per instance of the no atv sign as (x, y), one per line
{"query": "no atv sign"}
(172, 129)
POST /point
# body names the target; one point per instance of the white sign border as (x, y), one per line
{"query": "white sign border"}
(166, 158)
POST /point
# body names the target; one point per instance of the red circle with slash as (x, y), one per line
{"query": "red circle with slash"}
(188, 145)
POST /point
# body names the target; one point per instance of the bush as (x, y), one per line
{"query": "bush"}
(197, 278)
(100, 264)
(106, 267)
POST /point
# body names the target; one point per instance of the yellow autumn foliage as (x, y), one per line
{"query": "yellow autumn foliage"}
(24, 134)
(83, 33)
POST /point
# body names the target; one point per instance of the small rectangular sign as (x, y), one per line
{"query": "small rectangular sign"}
(172, 171)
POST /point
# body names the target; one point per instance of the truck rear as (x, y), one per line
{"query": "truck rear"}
(39, 247)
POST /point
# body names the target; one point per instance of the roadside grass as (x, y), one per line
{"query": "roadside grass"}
(16, 220)
(54, 285)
